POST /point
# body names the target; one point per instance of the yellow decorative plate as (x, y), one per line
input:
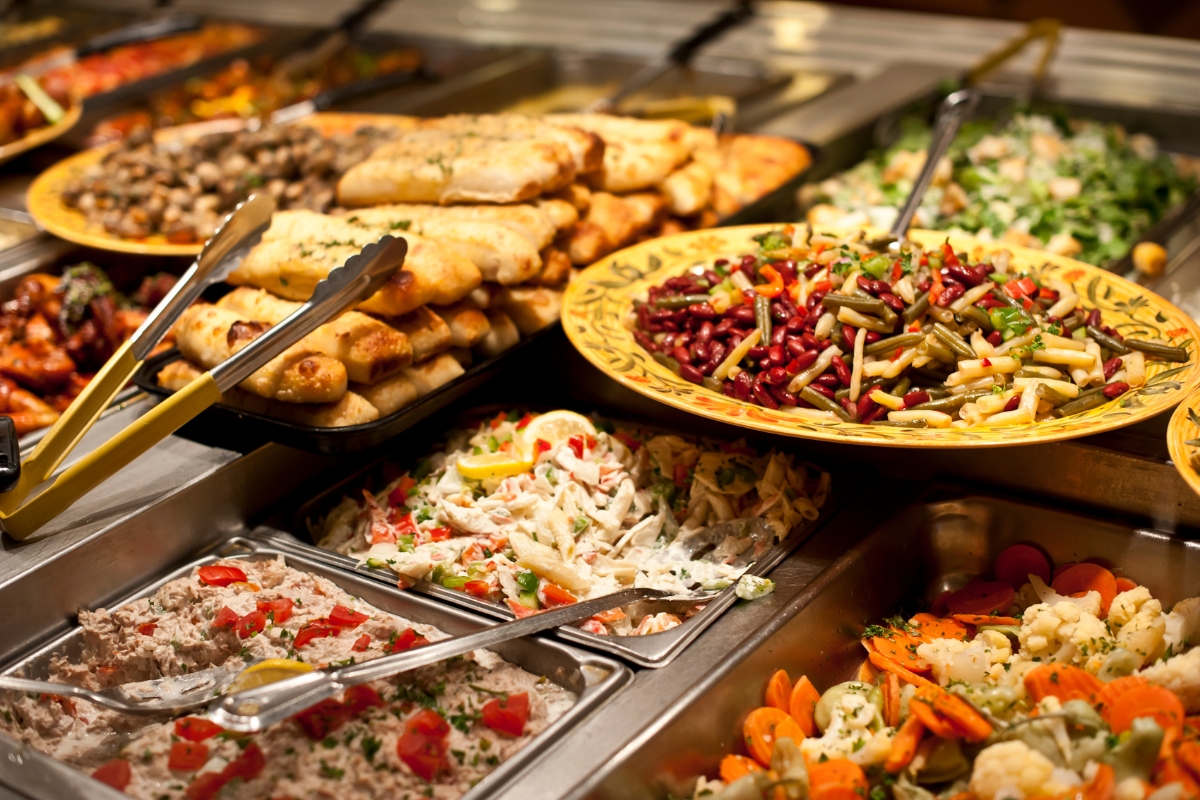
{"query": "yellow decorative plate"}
(42, 135)
(44, 200)
(597, 304)
(1183, 430)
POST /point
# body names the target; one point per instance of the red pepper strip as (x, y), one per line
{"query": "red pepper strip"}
(949, 257)
(774, 286)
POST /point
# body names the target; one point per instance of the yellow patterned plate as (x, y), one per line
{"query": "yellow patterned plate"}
(1183, 440)
(598, 303)
(44, 200)
(42, 135)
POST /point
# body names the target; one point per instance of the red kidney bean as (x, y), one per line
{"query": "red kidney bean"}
(876, 413)
(984, 270)
(865, 406)
(783, 396)
(995, 338)
(951, 293)
(1113, 390)
(872, 337)
(1111, 366)
(810, 340)
(653, 293)
(716, 353)
(843, 371)
(721, 262)
(727, 388)
(867, 285)
(645, 341)
(690, 373)
(851, 408)
(829, 380)
(681, 354)
(776, 376)
(702, 310)
(670, 325)
(1013, 403)
(778, 336)
(815, 299)
(988, 302)
(924, 285)
(824, 344)
(742, 384)
(758, 351)
(779, 314)
(787, 268)
(674, 283)
(964, 274)
(723, 326)
(735, 338)
(741, 314)
(777, 355)
(704, 332)
(1113, 333)
(814, 316)
(683, 339)
(915, 398)
(707, 367)
(891, 301)
(848, 336)
(795, 324)
(764, 397)
(662, 315)
(812, 270)
(1093, 318)
(796, 348)
(699, 351)
(825, 390)
(804, 360)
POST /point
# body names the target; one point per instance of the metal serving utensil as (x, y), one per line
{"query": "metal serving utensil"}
(701, 545)
(239, 232)
(258, 708)
(361, 276)
(163, 696)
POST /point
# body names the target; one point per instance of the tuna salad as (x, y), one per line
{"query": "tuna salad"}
(432, 732)
(537, 511)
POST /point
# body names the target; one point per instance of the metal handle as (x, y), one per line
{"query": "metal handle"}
(257, 709)
(140, 32)
(953, 111)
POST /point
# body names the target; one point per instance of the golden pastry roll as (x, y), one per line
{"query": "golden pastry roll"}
(209, 336)
(537, 224)
(638, 154)
(433, 374)
(753, 165)
(462, 355)
(612, 222)
(500, 253)
(292, 261)
(390, 394)
(502, 334)
(586, 148)
(556, 267)
(352, 409)
(531, 308)
(466, 322)
(426, 331)
(688, 190)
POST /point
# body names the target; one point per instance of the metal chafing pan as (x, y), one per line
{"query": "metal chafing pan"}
(653, 650)
(900, 565)
(593, 678)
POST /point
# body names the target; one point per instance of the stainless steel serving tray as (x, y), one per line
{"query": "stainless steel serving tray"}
(593, 678)
(902, 564)
(653, 650)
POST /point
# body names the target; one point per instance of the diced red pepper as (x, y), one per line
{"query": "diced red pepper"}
(251, 624)
(985, 362)
(611, 615)
(247, 766)
(554, 595)
(187, 756)
(147, 628)
(576, 445)
(774, 285)
(196, 729)
(317, 629)
(397, 496)
(1025, 287)
(358, 699)
(226, 618)
(347, 618)
(507, 714)
(590, 440)
(116, 773)
(821, 286)
(897, 354)
(322, 719)
(439, 534)
(498, 420)
(521, 611)
(539, 447)
(897, 270)
(280, 609)
(1026, 304)
(218, 575)
(477, 588)
(362, 643)
(407, 639)
(627, 440)
(524, 421)
(405, 526)
(949, 257)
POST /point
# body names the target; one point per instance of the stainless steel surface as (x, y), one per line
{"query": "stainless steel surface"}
(593, 678)
(256, 709)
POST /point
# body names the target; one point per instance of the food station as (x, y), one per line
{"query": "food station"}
(530, 399)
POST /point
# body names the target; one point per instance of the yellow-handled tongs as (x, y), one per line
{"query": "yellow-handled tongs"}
(344, 287)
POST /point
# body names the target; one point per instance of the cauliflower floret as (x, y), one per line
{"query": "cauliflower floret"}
(1013, 770)
(1183, 624)
(953, 659)
(1090, 602)
(1180, 674)
(1137, 618)
(849, 733)
(1064, 632)
(1012, 673)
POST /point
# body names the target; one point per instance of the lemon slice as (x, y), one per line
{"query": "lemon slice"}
(555, 427)
(493, 465)
(268, 671)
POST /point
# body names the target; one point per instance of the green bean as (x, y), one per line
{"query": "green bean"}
(1081, 404)
(762, 315)
(953, 341)
(877, 325)
(1029, 372)
(890, 343)
(836, 336)
(1000, 295)
(976, 314)
(713, 384)
(937, 351)
(889, 317)
(920, 305)
(952, 402)
(865, 305)
(902, 386)
(824, 403)
(867, 386)
(1072, 322)
(912, 423)
(667, 362)
(678, 301)
(1104, 340)
(1164, 351)
(1051, 395)
(932, 374)
(938, 392)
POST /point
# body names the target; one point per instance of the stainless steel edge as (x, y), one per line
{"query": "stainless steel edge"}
(593, 678)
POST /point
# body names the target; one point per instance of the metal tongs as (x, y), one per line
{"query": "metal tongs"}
(345, 286)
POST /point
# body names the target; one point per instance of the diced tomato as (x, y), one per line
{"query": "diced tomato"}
(206, 785)
(609, 616)
(116, 773)
(1020, 288)
(439, 534)
(554, 595)
(253, 623)
(428, 722)
(358, 699)
(347, 618)
(217, 575)
(280, 610)
(322, 719)
(627, 440)
(520, 610)
(247, 765)
(147, 628)
(524, 421)
(507, 714)
(362, 643)
(477, 588)
(196, 729)
(423, 755)
(407, 639)
(822, 286)
(225, 618)
(317, 629)
(398, 496)
(405, 526)
(590, 440)
(540, 446)
(187, 756)
(680, 475)
(499, 420)
(576, 445)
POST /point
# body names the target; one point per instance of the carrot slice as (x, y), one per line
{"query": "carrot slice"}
(1169, 770)
(904, 744)
(734, 767)
(1103, 784)
(1110, 692)
(836, 779)
(1017, 562)
(1125, 585)
(985, 597)
(922, 709)
(1062, 681)
(779, 690)
(1061, 568)
(962, 716)
(763, 727)
(901, 648)
(903, 673)
(891, 699)
(930, 627)
(1145, 701)
(1188, 756)
(986, 619)
(866, 673)
(803, 705)
(1088, 578)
